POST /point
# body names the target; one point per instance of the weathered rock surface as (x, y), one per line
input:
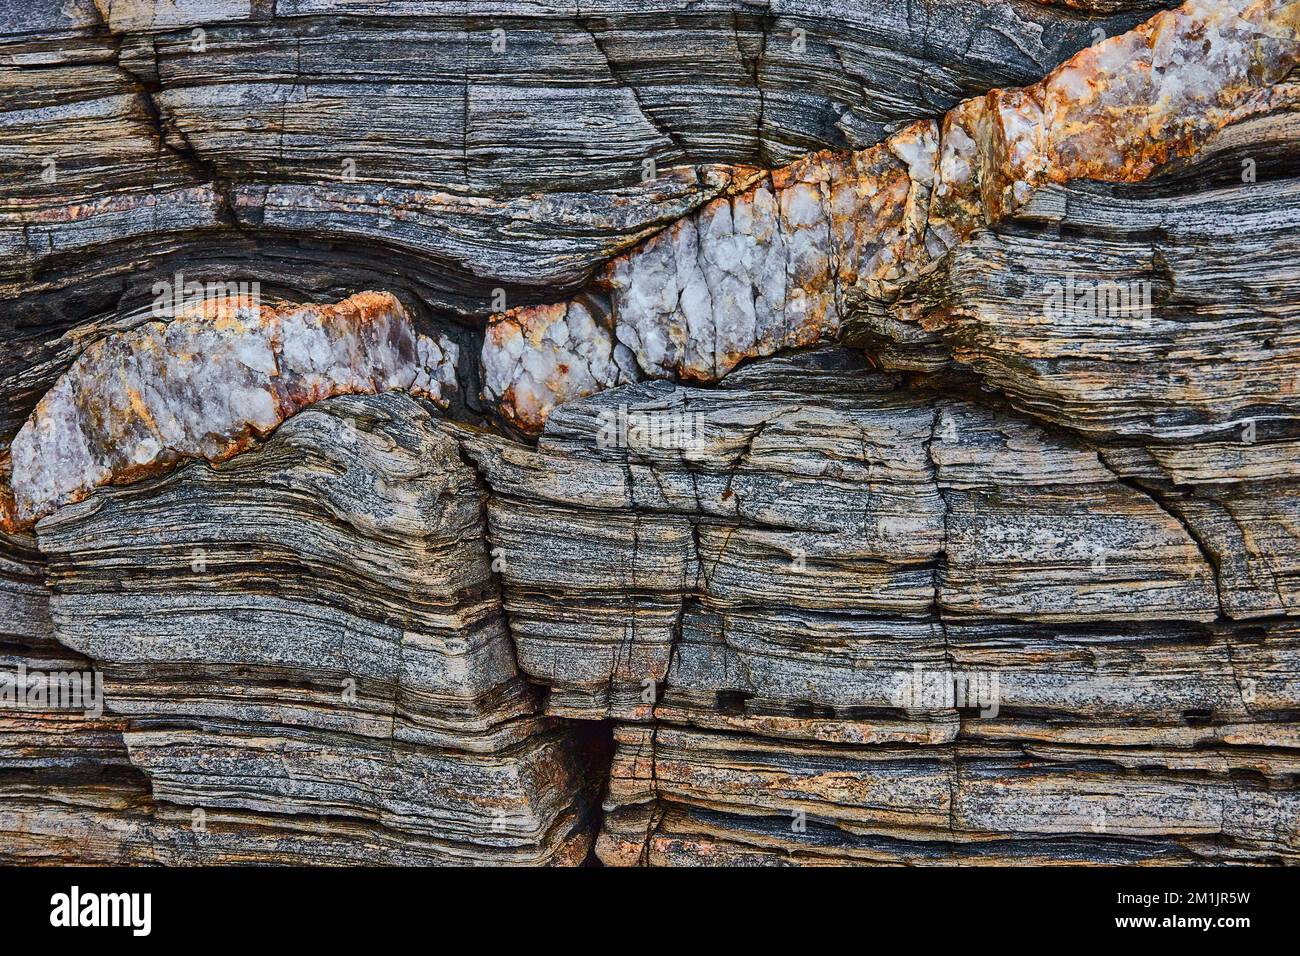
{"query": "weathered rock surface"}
(779, 264)
(751, 609)
(367, 674)
(205, 383)
(585, 540)
(68, 791)
(438, 151)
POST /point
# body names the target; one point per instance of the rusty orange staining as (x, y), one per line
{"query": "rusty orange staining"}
(775, 262)
(207, 384)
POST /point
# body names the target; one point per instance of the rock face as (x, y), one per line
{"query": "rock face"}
(778, 264)
(205, 383)
(862, 433)
(912, 626)
(367, 674)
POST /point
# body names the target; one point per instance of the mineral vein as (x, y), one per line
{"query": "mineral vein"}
(778, 264)
(206, 385)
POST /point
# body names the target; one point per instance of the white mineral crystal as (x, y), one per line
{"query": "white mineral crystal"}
(202, 384)
(555, 354)
(771, 267)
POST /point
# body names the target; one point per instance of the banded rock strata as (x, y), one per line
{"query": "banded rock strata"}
(1002, 581)
(750, 612)
(1103, 309)
(764, 598)
(205, 384)
(68, 790)
(329, 146)
(780, 264)
(367, 677)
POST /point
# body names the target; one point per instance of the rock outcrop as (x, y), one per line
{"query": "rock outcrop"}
(335, 651)
(890, 627)
(779, 264)
(861, 433)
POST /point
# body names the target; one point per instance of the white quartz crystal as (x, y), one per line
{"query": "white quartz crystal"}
(206, 382)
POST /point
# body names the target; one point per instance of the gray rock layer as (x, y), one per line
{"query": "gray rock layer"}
(1006, 571)
(337, 650)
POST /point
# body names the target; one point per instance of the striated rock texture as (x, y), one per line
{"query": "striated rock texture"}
(68, 791)
(792, 434)
(205, 384)
(367, 675)
(780, 264)
(761, 605)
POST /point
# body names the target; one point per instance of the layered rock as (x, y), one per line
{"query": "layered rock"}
(363, 699)
(442, 89)
(206, 384)
(68, 790)
(451, 156)
(774, 613)
(779, 264)
(1104, 309)
(1010, 579)
(764, 585)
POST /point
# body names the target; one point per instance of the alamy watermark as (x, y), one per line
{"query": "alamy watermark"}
(1083, 299)
(945, 689)
(41, 690)
(177, 296)
(664, 430)
(76, 909)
